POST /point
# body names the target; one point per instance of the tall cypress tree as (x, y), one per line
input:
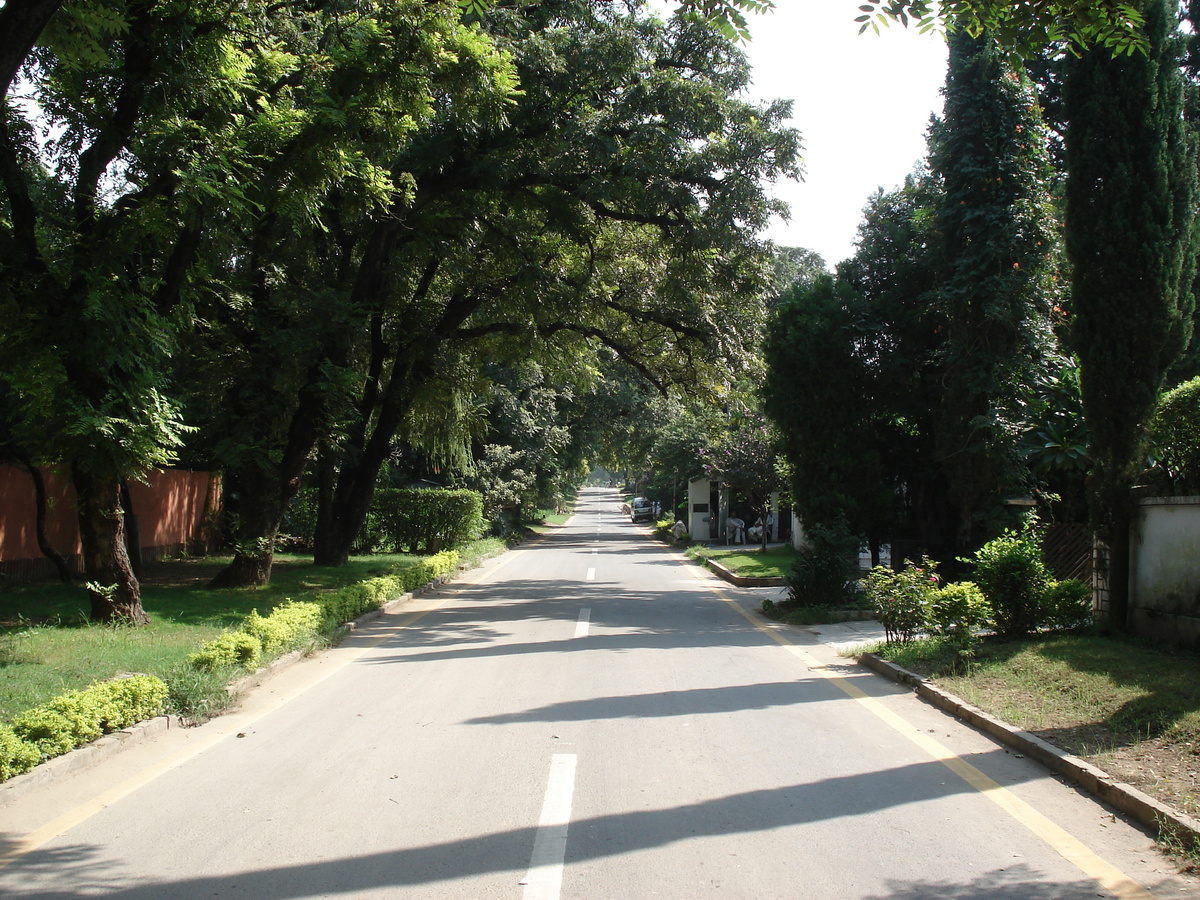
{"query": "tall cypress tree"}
(1130, 215)
(998, 244)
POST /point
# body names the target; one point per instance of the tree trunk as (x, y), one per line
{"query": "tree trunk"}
(133, 534)
(245, 570)
(1117, 552)
(362, 461)
(266, 491)
(260, 509)
(113, 588)
(326, 486)
(348, 510)
(39, 493)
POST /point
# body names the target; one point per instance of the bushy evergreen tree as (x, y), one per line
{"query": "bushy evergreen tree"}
(996, 269)
(1130, 215)
(858, 443)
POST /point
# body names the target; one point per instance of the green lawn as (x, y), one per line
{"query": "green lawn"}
(1130, 707)
(1132, 689)
(548, 520)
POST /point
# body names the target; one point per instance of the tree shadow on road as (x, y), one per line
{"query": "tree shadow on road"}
(864, 813)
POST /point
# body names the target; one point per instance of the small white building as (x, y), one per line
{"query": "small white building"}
(699, 513)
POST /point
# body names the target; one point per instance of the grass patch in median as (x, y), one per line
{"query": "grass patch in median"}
(815, 615)
(1129, 707)
(749, 563)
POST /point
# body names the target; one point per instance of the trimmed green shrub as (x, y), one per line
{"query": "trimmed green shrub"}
(429, 519)
(1174, 434)
(197, 688)
(262, 638)
(901, 599)
(825, 568)
(54, 732)
(130, 700)
(957, 609)
(289, 625)
(77, 717)
(1010, 572)
(16, 755)
(233, 649)
(1067, 604)
(351, 602)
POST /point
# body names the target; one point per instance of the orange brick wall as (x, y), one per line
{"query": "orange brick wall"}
(171, 510)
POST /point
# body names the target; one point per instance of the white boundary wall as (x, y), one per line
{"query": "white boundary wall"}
(1165, 570)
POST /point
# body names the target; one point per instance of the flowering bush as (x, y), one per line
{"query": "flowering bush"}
(901, 599)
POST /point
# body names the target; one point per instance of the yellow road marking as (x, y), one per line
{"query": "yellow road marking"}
(1062, 842)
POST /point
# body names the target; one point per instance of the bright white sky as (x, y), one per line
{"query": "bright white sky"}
(861, 104)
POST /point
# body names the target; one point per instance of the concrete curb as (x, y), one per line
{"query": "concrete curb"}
(739, 580)
(1141, 807)
(84, 757)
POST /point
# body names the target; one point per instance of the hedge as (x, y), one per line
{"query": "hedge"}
(289, 626)
(292, 625)
(351, 602)
(77, 717)
(1174, 434)
(400, 520)
(429, 519)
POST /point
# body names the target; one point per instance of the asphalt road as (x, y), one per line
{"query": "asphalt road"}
(590, 716)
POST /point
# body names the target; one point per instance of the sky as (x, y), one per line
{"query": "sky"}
(861, 104)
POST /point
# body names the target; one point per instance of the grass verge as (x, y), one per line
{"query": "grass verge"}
(816, 615)
(48, 647)
(1128, 707)
(547, 520)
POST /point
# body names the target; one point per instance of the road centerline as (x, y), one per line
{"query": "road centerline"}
(544, 879)
(581, 626)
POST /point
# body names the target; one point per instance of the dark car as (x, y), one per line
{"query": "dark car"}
(641, 510)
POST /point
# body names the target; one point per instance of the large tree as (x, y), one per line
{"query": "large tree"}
(861, 446)
(996, 268)
(1130, 219)
(275, 351)
(611, 213)
(615, 211)
(177, 127)
(1113, 25)
(101, 229)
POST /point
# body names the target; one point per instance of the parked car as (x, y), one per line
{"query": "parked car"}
(641, 510)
